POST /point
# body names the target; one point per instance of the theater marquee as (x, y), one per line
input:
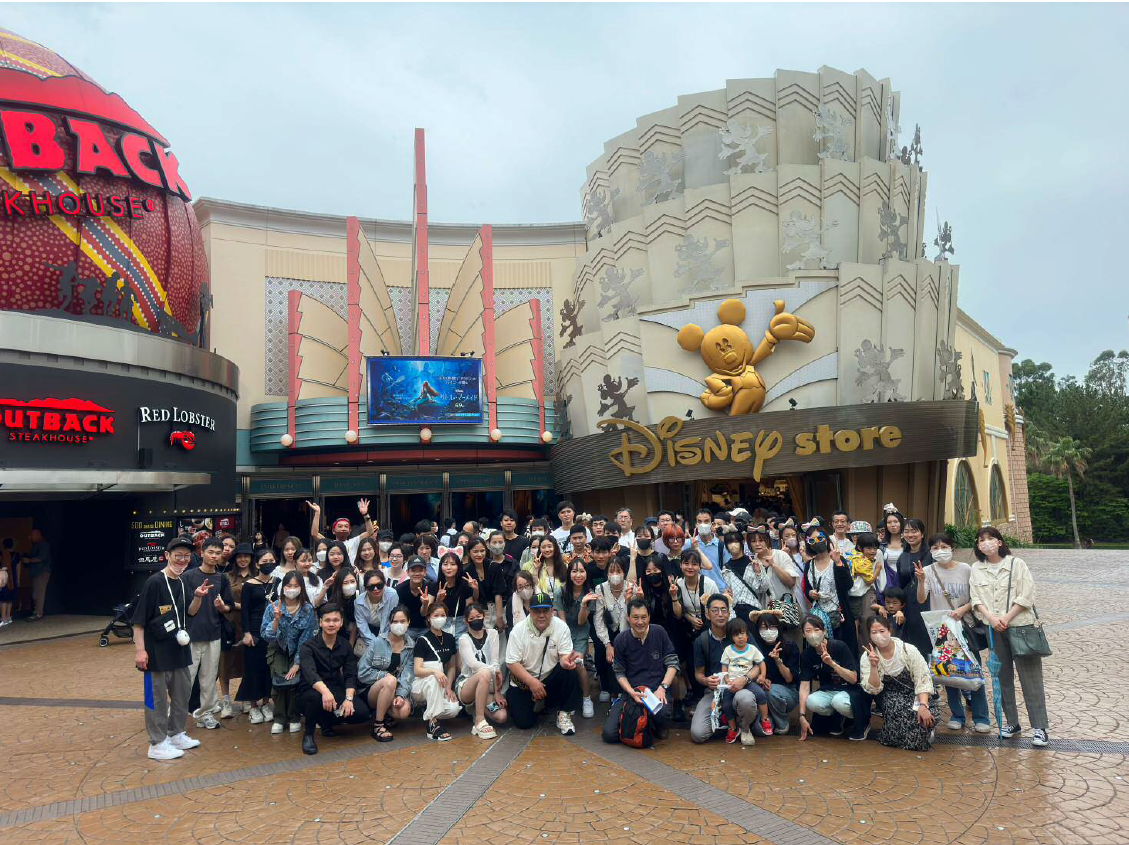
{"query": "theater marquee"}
(776, 443)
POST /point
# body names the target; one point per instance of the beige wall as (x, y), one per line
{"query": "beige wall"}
(247, 244)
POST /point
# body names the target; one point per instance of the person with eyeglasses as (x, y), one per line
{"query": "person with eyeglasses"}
(373, 608)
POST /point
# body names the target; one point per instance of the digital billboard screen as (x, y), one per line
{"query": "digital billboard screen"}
(424, 390)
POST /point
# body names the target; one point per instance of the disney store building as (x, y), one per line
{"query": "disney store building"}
(748, 312)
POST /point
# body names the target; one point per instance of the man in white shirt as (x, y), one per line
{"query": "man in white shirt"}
(566, 513)
(541, 662)
(342, 528)
(840, 522)
(626, 533)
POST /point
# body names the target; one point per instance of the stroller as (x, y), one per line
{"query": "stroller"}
(120, 623)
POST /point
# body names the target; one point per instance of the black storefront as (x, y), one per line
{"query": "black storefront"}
(111, 442)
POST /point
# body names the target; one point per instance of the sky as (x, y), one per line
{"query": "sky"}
(313, 107)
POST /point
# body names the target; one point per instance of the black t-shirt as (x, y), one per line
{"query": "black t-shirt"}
(205, 625)
(412, 602)
(492, 583)
(516, 546)
(789, 656)
(812, 667)
(158, 604)
(432, 647)
(596, 575)
(457, 597)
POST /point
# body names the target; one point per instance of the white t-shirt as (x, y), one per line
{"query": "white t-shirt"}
(776, 586)
(527, 646)
(954, 581)
(561, 535)
(627, 540)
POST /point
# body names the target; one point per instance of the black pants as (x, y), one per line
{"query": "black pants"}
(610, 732)
(604, 671)
(309, 705)
(562, 691)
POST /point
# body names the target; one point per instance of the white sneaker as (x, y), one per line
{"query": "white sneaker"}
(276, 728)
(983, 728)
(208, 721)
(586, 708)
(268, 712)
(295, 727)
(747, 738)
(183, 741)
(164, 751)
(955, 725)
(225, 711)
(564, 723)
(246, 706)
(256, 716)
(605, 695)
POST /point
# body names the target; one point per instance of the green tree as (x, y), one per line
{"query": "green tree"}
(1064, 458)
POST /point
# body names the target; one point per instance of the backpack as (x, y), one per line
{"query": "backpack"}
(635, 728)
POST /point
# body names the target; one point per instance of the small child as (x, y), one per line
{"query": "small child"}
(743, 659)
(895, 598)
(864, 569)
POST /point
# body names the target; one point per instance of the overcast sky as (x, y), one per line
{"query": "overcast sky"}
(1022, 108)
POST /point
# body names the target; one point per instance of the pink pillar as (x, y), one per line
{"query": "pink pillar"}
(423, 291)
(353, 299)
(489, 371)
(294, 322)
(538, 360)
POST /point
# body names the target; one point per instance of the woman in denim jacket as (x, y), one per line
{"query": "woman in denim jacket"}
(288, 622)
(387, 666)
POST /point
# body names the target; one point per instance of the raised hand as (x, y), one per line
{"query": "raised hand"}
(425, 598)
(918, 570)
(786, 326)
(278, 611)
(314, 506)
(218, 602)
(872, 656)
(442, 594)
(775, 653)
(362, 506)
(824, 654)
(202, 590)
(673, 587)
(590, 597)
(471, 580)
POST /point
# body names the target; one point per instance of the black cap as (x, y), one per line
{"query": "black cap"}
(416, 560)
(385, 534)
(243, 549)
(179, 543)
(540, 601)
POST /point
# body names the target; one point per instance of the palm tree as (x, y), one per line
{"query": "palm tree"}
(1064, 458)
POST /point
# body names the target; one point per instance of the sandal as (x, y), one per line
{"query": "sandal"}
(381, 733)
(435, 731)
(484, 730)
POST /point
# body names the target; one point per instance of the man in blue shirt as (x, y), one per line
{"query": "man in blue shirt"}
(644, 657)
(705, 541)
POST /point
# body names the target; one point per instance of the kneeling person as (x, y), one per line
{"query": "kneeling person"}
(541, 662)
(644, 657)
(329, 690)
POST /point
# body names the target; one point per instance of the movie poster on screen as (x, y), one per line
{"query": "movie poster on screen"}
(424, 391)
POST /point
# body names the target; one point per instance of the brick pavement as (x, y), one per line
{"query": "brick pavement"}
(76, 772)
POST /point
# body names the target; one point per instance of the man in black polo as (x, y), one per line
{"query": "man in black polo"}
(329, 692)
(160, 636)
(644, 657)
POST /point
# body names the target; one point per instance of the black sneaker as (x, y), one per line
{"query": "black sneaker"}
(1010, 731)
(860, 737)
(1039, 738)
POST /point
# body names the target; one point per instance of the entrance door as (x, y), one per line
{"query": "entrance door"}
(278, 517)
(477, 506)
(406, 509)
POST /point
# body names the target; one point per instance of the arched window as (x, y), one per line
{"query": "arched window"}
(998, 496)
(966, 507)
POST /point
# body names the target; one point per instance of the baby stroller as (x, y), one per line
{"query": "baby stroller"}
(120, 623)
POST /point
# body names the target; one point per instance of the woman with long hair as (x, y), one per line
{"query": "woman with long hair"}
(546, 565)
(231, 661)
(388, 667)
(304, 566)
(254, 686)
(524, 588)
(367, 558)
(455, 589)
(574, 603)
(479, 684)
(898, 671)
(288, 622)
(911, 565)
(343, 593)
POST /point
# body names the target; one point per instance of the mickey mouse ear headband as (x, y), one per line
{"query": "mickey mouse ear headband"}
(890, 507)
(789, 523)
(807, 525)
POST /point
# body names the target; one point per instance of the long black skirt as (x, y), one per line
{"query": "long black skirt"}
(255, 683)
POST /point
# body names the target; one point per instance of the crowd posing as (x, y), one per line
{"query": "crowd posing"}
(739, 625)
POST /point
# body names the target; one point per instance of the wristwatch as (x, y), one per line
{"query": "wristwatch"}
(665, 686)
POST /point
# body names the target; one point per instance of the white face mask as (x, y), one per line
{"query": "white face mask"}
(705, 529)
(385, 545)
(497, 550)
(791, 542)
(942, 555)
(881, 639)
(321, 555)
(398, 628)
(292, 592)
(615, 580)
(349, 590)
(526, 593)
(537, 535)
(437, 622)
(769, 635)
(814, 638)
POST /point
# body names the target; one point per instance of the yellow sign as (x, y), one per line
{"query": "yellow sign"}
(735, 448)
(735, 383)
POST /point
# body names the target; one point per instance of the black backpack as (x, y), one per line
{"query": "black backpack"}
(635, 728)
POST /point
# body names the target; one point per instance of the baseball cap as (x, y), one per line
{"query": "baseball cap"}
(540, 601)
(179, 543)
(416, 560)
(859, 526)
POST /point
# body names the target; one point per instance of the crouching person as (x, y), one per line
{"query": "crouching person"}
(644, 657)
(329, 694)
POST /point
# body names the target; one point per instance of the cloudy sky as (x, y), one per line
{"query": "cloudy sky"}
(313, 107)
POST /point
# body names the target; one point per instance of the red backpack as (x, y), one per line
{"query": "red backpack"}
(635, 727)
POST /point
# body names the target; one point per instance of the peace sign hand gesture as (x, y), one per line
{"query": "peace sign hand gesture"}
(425, 597)
(872, 655)
(442, 594)
(824, 654)
(775, 653)
(470, 579)
(202, 590)
(673, 587)
(918, 570)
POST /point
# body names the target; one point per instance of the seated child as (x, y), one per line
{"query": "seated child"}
(894, 609)
(742, 659)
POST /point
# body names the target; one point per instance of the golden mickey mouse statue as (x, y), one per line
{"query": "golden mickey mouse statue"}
(735, 383)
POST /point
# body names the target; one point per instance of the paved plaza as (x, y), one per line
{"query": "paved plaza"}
(75, 770)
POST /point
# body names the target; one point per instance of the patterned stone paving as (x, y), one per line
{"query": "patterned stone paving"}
(76, 771)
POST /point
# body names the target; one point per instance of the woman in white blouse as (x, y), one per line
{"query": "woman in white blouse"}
(1003, 596)
(897, 671)
(479, 684)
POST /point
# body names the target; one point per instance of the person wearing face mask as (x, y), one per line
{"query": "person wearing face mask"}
(831, 664)
(705, 541)
(898, 672)
(163, 653)
(782, 663)
(609, 617)
(384, 543)
(479, 684)
(254, 685)
(524, 588)
(436, 662)
(288, 621)
(388, 667)
(946, 587)
(1003, 597)
(417, 594)
(507, 567)
(480, 566)
(827, 584)
(642, 553)
(746, 580)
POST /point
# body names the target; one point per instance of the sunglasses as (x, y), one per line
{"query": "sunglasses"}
(375, 588)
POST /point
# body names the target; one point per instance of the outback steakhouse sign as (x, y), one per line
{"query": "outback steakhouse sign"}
(51, 421)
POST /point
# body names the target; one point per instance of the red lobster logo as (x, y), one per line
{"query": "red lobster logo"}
(186, 440)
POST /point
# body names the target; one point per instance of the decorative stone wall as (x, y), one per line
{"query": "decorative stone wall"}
(1020, 504)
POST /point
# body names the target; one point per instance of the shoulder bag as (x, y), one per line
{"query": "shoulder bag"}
(1026, 640)
(975, 631)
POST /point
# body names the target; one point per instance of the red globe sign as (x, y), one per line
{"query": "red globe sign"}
(95, 220)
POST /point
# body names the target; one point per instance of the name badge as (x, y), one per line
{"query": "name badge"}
(170, 626)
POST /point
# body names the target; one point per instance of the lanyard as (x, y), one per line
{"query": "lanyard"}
(172, 598)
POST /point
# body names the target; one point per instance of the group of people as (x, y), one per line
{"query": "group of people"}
(739, 625)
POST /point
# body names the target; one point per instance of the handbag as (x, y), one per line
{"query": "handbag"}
(279, 664)
(786, 610)
(975, 631)
(1026, 640)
